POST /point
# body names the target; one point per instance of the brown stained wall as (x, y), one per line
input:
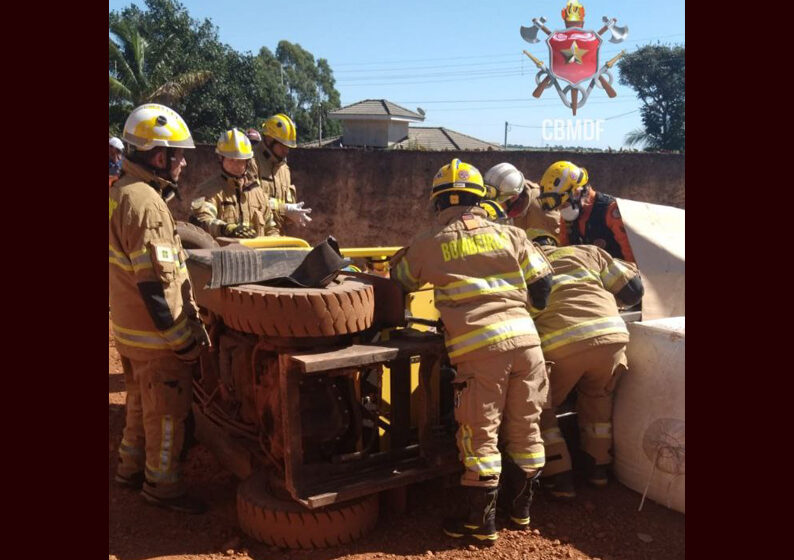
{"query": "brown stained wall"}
(366, 198)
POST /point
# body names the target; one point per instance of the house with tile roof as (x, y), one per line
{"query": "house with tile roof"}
(379, 123)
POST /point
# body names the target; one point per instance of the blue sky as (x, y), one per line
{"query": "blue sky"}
(461, 61)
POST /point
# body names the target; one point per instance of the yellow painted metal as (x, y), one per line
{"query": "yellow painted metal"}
(378, 253)
(274, 242)
(419, 304)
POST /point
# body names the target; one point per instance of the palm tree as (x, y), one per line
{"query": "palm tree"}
(639, 137)
(135, 66)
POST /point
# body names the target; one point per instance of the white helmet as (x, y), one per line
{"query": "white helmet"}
(116, 143)
(152, 125)
(505, 184)
(505, 179)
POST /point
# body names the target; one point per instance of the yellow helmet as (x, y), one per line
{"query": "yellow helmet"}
(458, 176)
(281, 128)
(542, 237)
(494, 210)
(573, 11)
(234, 144)
(559, 181)
(152, 125)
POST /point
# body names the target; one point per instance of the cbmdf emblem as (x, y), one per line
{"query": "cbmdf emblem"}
(574, 67)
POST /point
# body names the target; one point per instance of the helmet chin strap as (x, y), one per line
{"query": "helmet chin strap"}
(269, 148)
(171, 189)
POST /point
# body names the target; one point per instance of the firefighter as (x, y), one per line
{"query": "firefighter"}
(588, 217)
(482, 272)
(583, 335)
(254, 136)
(154, 317)
(237, 206)
(115, 157)
(520, 199)
(494, 211)
(270, 166)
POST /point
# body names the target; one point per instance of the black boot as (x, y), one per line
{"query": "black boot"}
(597, 475)
(519, 489)
(561, 486)
(133, 481)
(478, 522)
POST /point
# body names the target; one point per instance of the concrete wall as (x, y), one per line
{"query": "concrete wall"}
(367, 197)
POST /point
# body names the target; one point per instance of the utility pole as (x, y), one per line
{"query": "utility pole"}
(505, 135)
(319, 116)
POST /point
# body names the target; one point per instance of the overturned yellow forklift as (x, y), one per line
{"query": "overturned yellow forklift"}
(325, 384)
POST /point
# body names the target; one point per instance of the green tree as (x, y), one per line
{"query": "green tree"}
(134, 66)
(244, 90)
(656, 73)
(310, 91)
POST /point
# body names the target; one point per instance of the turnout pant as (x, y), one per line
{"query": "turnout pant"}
(594, 372)
(501, 394)
(159, 394)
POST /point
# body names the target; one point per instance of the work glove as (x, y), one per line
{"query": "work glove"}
(201, 340)
(297, 213)
(240, 231)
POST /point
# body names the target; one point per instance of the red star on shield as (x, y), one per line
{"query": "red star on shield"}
(574, 54)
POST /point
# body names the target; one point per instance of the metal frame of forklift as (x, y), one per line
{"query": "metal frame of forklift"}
(414, 454)
(411, 457)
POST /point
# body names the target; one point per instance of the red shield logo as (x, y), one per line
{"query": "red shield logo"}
(574, 54)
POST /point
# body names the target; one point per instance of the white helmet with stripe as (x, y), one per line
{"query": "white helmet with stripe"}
(152, 125)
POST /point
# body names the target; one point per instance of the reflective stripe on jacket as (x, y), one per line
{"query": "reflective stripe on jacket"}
(480, 271)
(582, 311)
(144, 248)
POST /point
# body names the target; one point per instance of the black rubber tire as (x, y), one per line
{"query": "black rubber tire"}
(346, 306)
(287, 524)
(193, 237)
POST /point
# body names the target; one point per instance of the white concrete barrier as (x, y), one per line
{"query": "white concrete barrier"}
(648, 420)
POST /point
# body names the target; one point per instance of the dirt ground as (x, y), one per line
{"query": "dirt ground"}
(602, 524)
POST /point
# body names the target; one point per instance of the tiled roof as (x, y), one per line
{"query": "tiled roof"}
(440, 138)
(330, 142)
(376, 107)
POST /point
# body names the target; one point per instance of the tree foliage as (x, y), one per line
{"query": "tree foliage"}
(656, 73)
(174, 59)
(310, 90)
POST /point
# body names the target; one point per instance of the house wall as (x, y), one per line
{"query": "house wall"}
(371, 133)
(366, 197)
(397, 131)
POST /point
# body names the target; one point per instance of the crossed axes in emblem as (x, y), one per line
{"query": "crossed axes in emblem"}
(546, 78)
(618, 33)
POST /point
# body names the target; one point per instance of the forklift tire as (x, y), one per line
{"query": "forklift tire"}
(345, 306)
(194, 237)
(288, 524)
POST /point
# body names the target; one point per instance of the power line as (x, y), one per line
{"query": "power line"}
(513, 56)
(419, 60)
(621, 115)
(468, 57)
(605, 119)
(513, 68)
(451, 79)
(529, 106)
